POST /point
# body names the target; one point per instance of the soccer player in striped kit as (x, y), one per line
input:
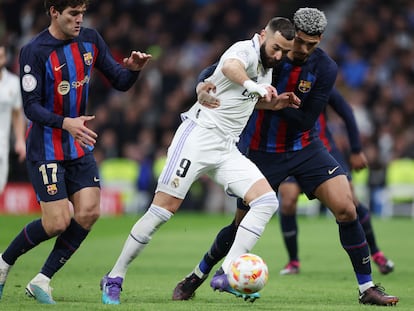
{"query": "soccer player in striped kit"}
(55, 71)
(286, 143)
(289, 190)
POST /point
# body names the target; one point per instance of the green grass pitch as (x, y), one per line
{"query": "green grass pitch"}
(326, 281)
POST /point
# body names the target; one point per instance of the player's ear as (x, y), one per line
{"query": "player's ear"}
(53, 12)
(263, 35)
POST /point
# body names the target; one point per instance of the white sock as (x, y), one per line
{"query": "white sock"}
(365, 286)
(252, 226)
(243, 243)
(40, 278)
(3, 264)
(139, 237)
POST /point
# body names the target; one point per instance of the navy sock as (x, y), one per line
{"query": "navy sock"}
(220, 248)
(365, 220)
(353, 241)
(31, 236)
(66, 244)
(289, 229)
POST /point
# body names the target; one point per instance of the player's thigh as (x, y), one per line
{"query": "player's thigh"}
(241, 177)
(259, 188)
(83, 187)
(315, 165)
(335, 193)
(86, 206)
(167, 201)
(193, 152)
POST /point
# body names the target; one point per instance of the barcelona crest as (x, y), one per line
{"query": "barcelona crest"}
(51, 189)
(304, 86)
(87, 58)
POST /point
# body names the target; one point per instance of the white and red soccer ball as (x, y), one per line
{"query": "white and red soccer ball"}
(248, 273)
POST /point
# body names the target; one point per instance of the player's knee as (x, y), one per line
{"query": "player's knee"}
(55, 226)
(261, 211)
(288, 194)
(266, 203)
(88, 218)
(344, 213)
(288, 205)
(87, 215)
(91, 217)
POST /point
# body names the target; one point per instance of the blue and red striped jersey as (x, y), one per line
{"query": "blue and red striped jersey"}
(55, 78)
(325, 134)
(292, 129)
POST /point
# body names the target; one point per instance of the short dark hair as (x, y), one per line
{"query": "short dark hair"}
(283, 25)
(310, 20)
(60, 5)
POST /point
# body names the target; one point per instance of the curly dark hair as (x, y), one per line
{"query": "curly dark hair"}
(60, 5)
(310, 20)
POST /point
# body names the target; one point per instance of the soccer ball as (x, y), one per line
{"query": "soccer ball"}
(248, 273)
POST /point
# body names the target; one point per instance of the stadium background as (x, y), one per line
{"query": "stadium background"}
(371, 40)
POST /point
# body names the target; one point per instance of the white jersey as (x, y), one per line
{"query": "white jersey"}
(10, 98)
(236, 104)
(205, 142)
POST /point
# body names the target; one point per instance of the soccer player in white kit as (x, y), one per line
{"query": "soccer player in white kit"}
(205, 143)
(11, 112)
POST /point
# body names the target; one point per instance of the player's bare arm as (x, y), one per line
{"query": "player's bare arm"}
(137, 60)
(234, 70)
(78, 129)
(284, 100)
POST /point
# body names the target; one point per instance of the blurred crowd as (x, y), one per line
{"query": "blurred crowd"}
(374, 50)
(373, 47)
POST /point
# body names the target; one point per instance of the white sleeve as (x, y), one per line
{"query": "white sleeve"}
(242, 51)
(17, 94)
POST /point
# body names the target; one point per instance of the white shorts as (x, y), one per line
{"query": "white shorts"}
(196, 151)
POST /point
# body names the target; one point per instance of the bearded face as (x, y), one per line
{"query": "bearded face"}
(267, 61)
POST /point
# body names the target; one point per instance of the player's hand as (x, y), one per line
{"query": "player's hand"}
(78, 129)
(137, 60)
(358, 161)
(285, 100)
(204, 97)
(20, 149)
(263, 90)
(271, 92)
